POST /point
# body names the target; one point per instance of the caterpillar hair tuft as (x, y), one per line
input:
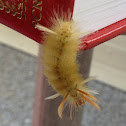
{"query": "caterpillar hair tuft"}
(60, 47)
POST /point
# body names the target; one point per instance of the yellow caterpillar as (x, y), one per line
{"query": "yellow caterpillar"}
(60, 47)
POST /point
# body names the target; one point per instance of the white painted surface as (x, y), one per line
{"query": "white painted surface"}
(96, 14)
(17, 40)
(109, 62)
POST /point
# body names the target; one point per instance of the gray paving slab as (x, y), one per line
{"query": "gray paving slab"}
(17, 82)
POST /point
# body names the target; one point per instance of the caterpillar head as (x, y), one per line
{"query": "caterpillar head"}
(77, 97)
(63, 30)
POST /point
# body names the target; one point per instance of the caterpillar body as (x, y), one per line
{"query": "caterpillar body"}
(60, 47)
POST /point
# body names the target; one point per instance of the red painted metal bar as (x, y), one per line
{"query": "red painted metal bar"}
(103, 35)
(45, 11)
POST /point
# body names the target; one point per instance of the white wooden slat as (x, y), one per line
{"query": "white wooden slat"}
(93, 15)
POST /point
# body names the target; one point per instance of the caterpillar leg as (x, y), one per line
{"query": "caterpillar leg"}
(71, 110)
(88, 79)
(87, 97)
(60, 108)
(45, 29)
(91, 102)
(53, 96)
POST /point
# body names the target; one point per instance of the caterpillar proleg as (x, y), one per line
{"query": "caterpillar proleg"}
(60, 47)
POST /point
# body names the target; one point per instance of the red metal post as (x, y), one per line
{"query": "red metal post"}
(45, 111)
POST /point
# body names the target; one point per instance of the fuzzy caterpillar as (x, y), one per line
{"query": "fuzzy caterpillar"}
(60, 48)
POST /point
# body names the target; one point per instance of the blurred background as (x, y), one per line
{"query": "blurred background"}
(18, 65)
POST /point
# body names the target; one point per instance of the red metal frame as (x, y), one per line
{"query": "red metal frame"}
(48, 6)
(103, 35)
